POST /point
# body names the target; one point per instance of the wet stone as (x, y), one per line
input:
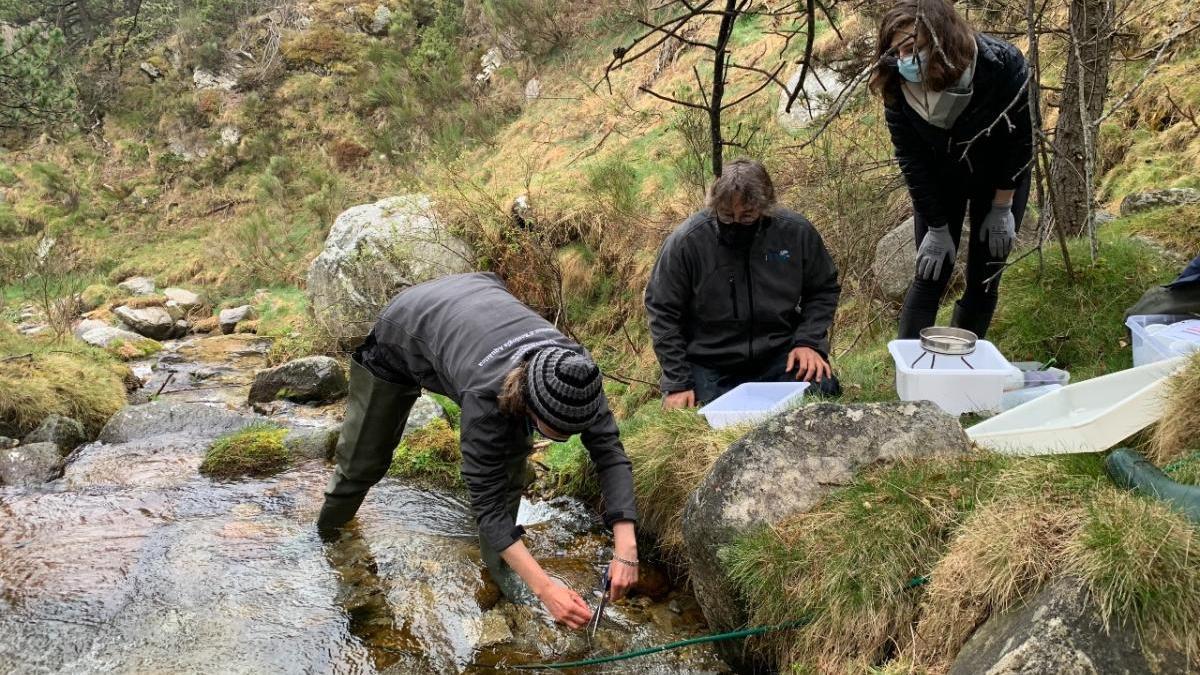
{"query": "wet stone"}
(30, 464)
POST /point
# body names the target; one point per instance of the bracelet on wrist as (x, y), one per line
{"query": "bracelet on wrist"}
(629, 563)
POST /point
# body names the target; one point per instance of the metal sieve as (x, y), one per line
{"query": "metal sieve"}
(948, 341)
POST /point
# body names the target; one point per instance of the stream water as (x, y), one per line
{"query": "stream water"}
(133, 562)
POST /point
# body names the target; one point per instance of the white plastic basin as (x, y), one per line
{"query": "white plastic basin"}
(1088, 416)
(949, 381)
(752, 402)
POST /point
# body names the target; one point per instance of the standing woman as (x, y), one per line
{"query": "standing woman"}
(956, 106)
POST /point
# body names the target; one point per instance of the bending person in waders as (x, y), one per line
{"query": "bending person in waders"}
(511, 371)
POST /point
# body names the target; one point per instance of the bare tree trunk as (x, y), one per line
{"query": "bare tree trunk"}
(1072, 172)
(1045, 196)
(718, 90)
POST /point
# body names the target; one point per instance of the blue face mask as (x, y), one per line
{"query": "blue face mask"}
(910, 66)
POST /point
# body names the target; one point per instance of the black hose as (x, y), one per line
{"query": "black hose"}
(1132, 471)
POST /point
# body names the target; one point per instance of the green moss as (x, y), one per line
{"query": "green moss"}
(569, 470)
(128, 350)
(430, 455)
(8, 177)
(254, 451)
(98, 294)
(453, 412)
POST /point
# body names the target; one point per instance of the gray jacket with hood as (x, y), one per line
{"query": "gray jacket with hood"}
(734, 305)
(460, 336)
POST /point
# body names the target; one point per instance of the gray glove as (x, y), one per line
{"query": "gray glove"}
(931, 255)
(999, 230)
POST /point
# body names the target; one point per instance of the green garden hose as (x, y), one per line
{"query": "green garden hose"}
(719, 637)
(1132, 471)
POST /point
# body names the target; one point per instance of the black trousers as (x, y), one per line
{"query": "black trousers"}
(975, 308)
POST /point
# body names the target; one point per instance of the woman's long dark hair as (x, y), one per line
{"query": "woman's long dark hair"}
(948, 38)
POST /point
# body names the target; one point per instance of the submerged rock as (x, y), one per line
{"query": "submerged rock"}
(162, 418)
(372, 252)
(1060, 630)
(64, 432)
(30, 464)
(783, 468)
(313, 378)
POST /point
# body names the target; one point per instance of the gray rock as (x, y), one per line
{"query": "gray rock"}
(149, 70)
(895, 263)
(380, 20)
(1059, 630)
(1151, 199)
(230, 318)
(312, 443)
(1103, 218)
(30, 464)
(138, 422)
(313, 378)
(6, 442)
(489, 63)
(155, 323)
(64, 432)
(109, 337)
(494, 630)
(423, 413)
(184, 299)
(137, 286)
(86, 325)
(784, 467)
(230, 136)
(533, 89)
(204, 79)
(372, 252)
(822, 86)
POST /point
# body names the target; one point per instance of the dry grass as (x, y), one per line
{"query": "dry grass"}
(144, 301)
(671, 451)
(39, 379)
(1178, 432)
(207, 325)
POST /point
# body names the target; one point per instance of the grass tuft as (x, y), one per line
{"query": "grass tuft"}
(38, 379)
(257, 450)
(847, 564)
(430, 454)
(671, 451)
(1177, 433)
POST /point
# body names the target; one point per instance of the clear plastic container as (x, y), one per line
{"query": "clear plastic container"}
(1012, 399)
(752, 402)
(1156, 344)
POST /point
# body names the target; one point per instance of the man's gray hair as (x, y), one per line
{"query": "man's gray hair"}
(745, 178)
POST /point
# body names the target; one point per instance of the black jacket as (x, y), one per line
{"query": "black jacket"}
(459, 336)
(931, 158)
(729, 307)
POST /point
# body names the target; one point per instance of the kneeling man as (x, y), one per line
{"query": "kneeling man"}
(743, 291)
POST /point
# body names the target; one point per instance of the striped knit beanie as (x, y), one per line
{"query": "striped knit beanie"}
(564, 389)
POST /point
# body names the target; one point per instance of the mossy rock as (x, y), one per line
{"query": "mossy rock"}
(429, 455)
(96, 295)
(257, 450)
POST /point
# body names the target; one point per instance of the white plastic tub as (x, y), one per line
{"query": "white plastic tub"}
(1148, 347)
(1088, 416)
(752, 402)
(948, 381)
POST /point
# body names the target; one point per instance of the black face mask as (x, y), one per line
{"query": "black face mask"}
(736, 234)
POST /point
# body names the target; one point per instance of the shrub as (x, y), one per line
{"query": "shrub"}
(257, 450)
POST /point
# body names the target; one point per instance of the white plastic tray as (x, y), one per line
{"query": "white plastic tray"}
(751, 402)
(1088, 416)
(950, 383)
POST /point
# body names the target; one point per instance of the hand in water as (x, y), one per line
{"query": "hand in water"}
(565, 606)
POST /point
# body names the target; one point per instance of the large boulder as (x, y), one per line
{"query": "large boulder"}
(822, 86)
(155, 323)
(783, 468)
(373, 251)
(1059, 630)
(313, 378)
(1152, 199)
(30, 464)
(64, 432)
(184, 299)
